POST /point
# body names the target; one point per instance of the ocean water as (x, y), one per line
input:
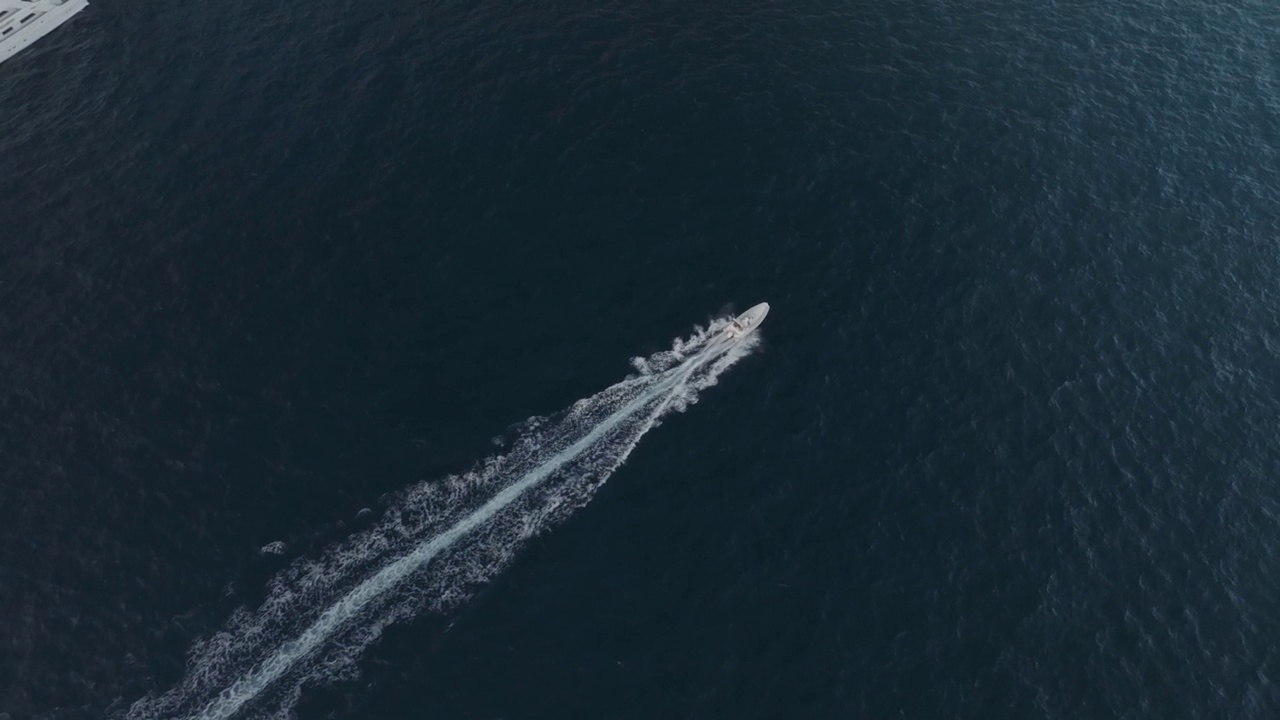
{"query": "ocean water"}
(1005, 446)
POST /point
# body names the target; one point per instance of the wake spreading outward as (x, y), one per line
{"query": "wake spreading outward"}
(438, 540)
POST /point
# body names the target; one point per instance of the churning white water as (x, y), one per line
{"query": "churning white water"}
(436, 542)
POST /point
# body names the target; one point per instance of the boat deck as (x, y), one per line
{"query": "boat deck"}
(23, 22)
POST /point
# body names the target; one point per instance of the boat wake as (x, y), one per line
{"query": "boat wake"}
(434, 545)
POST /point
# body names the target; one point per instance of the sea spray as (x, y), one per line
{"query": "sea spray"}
(435, 543)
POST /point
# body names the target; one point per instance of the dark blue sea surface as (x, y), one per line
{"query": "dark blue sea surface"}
(1007, 449)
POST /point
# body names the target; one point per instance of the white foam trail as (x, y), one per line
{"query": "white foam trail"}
(435, 543)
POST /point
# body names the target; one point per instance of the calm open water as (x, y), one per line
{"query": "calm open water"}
(1008, 448)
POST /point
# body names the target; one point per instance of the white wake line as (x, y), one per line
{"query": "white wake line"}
(260, 678)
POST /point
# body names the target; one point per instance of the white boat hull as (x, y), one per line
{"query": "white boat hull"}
(22, 22)
(747, 322)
